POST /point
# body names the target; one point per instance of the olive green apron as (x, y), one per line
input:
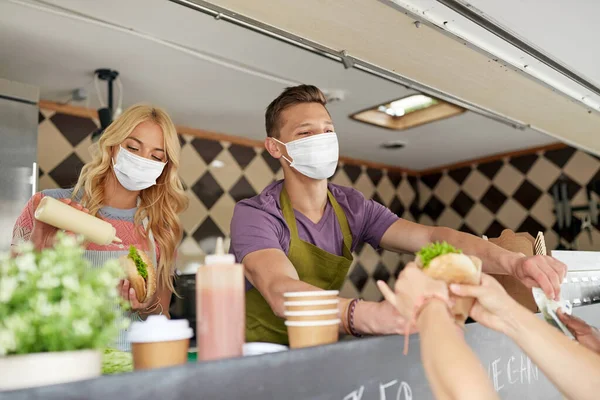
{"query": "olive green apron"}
(314, 266)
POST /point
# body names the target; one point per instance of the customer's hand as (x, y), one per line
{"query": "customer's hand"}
(42, 234)
(128, 294)
(493, 306)
(412, 287)
(585, 334)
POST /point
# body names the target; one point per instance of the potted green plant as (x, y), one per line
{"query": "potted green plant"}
(57, 313)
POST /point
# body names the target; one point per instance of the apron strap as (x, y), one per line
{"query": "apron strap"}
(342, 220)
(290, 217)
(288, 214)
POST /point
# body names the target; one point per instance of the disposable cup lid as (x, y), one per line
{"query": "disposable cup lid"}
(327, 322)
(315, 293)
(310, 313)
(257, 348)
(158, 328)
(311, 302)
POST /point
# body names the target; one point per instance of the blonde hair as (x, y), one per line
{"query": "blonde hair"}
(160, 203)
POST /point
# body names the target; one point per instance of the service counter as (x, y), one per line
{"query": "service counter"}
(363, 369)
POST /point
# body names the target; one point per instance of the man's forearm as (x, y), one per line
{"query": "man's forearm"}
(495, 259)
(572, 368)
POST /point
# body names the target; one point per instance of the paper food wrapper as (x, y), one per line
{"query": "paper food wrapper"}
(455, 268)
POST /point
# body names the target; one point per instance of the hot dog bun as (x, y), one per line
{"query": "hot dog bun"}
(455, 267)
(144, 288)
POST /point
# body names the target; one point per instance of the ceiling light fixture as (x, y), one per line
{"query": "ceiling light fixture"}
(406, 105)
(407, 112)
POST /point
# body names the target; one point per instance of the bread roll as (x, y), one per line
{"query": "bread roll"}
(456, 268)
(144, 288)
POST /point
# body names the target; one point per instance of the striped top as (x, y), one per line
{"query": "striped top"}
(122, 220)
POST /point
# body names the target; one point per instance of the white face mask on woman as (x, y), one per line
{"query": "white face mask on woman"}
(316, 156)
(134, 172)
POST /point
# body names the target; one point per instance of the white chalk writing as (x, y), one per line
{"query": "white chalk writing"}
(509, 371)
(356, 395)
(517, 371)
(387, 390)
(496, 374)
(383, 386)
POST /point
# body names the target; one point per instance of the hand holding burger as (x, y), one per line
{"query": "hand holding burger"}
(140, 286)
(444, 262)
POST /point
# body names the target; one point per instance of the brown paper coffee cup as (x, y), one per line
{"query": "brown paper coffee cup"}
(311, 305)
(315, 315)
(159, 354)
(312, 296)
(312, 333)
(159, 342)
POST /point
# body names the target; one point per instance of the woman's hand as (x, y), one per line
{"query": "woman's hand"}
(128, 294)
(412, 287)
(585, 334)
(493, 306)
(42, 235)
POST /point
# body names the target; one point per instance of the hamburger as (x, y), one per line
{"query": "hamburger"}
(140, 272)
(446, 263)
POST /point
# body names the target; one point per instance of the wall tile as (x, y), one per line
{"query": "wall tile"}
(582, 167)
(519, 195)
(508, 179)
(52, 146)
(227, 172)
(476, 185)
(543, 173)
(511, 214)
(484, 198)
(258, 174)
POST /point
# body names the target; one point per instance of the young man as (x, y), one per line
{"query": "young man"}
(298, 234)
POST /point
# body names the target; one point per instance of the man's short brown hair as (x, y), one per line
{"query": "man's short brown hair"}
(290, 97)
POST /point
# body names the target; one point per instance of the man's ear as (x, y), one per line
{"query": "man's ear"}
(273, 148)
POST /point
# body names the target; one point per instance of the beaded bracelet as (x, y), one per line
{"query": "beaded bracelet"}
(344, 317)
(351, 327)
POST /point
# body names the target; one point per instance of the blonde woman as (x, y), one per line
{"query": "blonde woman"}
(131, 182)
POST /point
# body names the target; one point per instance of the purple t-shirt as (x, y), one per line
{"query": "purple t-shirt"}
(258, 223)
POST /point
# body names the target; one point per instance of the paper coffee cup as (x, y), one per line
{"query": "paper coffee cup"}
(312, 295)
(311, 305)
(315, 315)
(312, 333)
(159, 342)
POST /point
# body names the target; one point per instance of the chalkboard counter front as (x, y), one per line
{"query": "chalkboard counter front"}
(364, 369)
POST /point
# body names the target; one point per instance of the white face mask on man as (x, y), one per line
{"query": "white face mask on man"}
(316, 156)
(134, 172)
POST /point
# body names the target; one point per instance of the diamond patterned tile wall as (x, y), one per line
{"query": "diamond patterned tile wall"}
(217, 174)
(514, 193)
(484, 198)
